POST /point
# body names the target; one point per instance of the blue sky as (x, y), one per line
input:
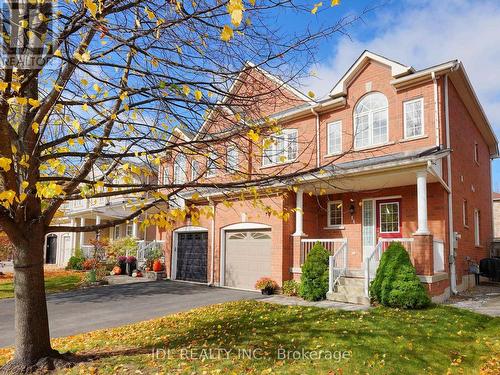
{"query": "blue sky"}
(420, 33)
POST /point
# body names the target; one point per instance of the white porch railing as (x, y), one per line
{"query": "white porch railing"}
(373, 259)
(147, 248)
(88, 251)
(337, 266)
(330, 244)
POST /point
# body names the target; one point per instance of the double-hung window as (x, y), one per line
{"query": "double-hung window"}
(180, 169)
(211, 164)
(232, 159)
(280, 148)
(477, 224)
(165, 175)
(334, 138)
(371, 121)
(414, 118)
(335, 214)
(195, 170)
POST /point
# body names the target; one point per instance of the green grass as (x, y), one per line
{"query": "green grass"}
(437, 340)
(54, 282)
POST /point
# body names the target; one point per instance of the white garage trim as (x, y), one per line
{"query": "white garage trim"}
(239, 226)
(188, 228)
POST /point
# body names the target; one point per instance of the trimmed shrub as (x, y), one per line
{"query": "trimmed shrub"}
(314, 279)
(396, 283)
(75, 263)
(290, 288)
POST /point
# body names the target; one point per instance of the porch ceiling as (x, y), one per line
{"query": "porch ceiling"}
(374, 180)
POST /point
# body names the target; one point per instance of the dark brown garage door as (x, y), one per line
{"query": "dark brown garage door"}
(192, 256)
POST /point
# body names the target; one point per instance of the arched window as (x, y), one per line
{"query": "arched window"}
(180, 168)
(370, 120)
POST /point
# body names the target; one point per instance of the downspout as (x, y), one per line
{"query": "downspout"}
(436, 107)
(453, 270)
(318, 163)
(212, 244)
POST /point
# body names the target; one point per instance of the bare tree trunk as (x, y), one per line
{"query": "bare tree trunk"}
(32, 347)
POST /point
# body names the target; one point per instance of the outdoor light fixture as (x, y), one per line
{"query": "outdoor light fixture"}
(351, 210)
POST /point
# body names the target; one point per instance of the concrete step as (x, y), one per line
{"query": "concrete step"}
(345, 289)
(352, 282)
(349, 298)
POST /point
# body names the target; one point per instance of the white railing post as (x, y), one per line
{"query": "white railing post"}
(367, 275)
(330, 274)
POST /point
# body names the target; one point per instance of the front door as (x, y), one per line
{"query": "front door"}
(50, 251)
(192, 256)
(368, 230)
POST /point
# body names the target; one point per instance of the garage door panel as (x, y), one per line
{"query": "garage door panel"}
(248, 258)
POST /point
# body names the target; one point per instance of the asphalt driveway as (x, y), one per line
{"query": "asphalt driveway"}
(111, 306)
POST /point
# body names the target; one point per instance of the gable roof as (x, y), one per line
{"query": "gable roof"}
(496, 196)
(397, 70)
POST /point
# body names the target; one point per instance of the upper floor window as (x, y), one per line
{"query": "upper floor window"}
(280, 148)
(334, 214)
(465, 213)
(414, 118)
(180, 166)
(164, 178)
(334, 138)
(195, 170)
(371, 120)
(476, 153)
(232, 159)
(211, 164)
(477, 224)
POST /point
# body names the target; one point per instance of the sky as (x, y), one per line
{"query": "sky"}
(420, 33)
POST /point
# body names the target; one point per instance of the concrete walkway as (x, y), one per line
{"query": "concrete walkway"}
(295, 301)
(89, 309)
(483, 299)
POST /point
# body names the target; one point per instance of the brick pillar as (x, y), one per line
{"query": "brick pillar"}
(296, 257)
(422, 254)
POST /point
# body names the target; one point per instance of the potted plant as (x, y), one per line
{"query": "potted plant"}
(131, 264)
(266, 285)
(122, 263)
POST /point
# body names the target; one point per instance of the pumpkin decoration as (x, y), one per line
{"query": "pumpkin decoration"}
(157, 266)
(117, 270)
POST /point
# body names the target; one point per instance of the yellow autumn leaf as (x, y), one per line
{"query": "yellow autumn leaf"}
(3, 86)
(5, 164)
(316, 7)
(76, 125)
(252, 2)
(16, 86)
(226, 34)
(235, 9)
(198, 95)
(149, 13)
(58, 53)
(335, 2)
(34, 102)
(186, 90)
(35, 126)
(311, 94)
(253, 136)
(92, 7)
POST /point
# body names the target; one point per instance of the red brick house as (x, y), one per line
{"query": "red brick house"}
(393, 154)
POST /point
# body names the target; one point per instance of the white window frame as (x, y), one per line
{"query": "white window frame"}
(116, 232)
(328, 138)
(421, 100)
(329, 209)
(477, 229)
(180, 175)
(165, 175)
(380, 217)
(195, 170)
(233, 167)
(282, 157)
(129, 228)
(370, 123)
(465, 213)
(211, 164)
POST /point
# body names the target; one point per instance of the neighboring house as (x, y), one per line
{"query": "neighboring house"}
(60, 246)
(496, 215)
(405, 156)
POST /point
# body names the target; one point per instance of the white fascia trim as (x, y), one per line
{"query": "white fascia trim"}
(426, 73)
(397, 70)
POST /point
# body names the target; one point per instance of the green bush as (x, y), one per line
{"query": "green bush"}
(396, 283)
(314, 279)
(75, 263)
(290, 288)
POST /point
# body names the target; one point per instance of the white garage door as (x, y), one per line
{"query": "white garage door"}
(248, 258)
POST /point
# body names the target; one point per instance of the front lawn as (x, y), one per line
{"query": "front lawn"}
(438, 340)
(55, 281)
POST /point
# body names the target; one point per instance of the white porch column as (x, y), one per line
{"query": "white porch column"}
(97, 220)
(135, 229)
(422, 202)
(299, 213)
(82, 234)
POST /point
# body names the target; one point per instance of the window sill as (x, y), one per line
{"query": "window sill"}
(334, 227)
(374, 146)
(416, 138)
